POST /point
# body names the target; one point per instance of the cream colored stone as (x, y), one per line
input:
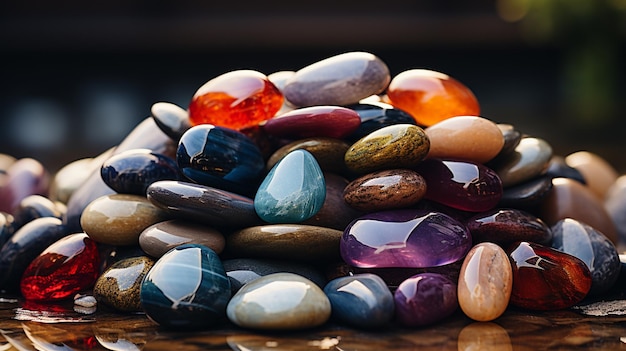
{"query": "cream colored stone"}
(598, 172)
(485, 282)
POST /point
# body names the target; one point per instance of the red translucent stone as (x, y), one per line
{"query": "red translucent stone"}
(431, 96)
(315, 121)
(545, 278)
(65, 268)
(235, 100)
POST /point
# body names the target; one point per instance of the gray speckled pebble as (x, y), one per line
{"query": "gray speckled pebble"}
(339, 80)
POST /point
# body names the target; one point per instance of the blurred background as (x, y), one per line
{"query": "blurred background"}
(76, 77)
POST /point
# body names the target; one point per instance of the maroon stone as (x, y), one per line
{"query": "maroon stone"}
(316, 121)
(505, 226)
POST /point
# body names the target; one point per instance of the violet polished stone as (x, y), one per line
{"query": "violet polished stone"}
(315, 121)
(464, 185)
(408, 238)
(425, 299)
(23, 178)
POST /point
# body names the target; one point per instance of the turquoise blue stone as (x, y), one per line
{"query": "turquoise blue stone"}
(293, 191)
(361, 300)
(186, 288)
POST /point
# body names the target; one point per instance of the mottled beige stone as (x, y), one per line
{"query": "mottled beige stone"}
(599, 174)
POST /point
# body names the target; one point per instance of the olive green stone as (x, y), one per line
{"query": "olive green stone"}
(328, 152)
(120, 284)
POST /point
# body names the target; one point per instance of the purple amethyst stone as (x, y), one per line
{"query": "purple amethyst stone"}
(408, 238)
(424, 299)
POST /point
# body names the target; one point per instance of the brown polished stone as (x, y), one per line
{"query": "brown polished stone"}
(159, 238)
(598, 172)
(335, 213)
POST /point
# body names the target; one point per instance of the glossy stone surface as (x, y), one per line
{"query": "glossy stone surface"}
(216, 207)
(171, 118)
(161, 237)
(328, 152)
(220, 157)
(119, 219)
(7, 227)
(335, 212)
(511, 136)
(132, 171)
(409, 238)
(527, 195)
(505, 226)
(593, 248)
(279, 301)
(338, 80)
(35, 206)
(296, 242)
(463, 185)
(531, 158)
(425, 299)
(485, 282)
(431, 96)
(293, 191)
(546, 279)
(615, 206)
(24, 177)
(70, 177)
(68, 266)
(558, 168)
(361, 300)
(235, 100)
(119, 285)
(24, 246)
(471, 138)
(187, 288)
(376, 115)
(597, 171)
(570, 199)
(395, 146)
(315, 121)
(244, 270)
(384, 190)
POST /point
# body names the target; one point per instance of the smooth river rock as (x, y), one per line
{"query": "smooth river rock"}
(328, 152)
(120, 284)
(161, 237)
(530, 159)
(597, 171)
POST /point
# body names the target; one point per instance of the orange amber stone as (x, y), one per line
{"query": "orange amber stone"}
(431, 96)
(235, 100)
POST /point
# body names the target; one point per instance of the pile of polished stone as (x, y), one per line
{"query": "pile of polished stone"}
(333, 193)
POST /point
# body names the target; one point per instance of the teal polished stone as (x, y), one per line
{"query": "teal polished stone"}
(186, 288)
(293, 191)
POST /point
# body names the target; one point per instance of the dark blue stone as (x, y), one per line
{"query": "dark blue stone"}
(220, 157)
(171, 118)
(558, 168)
(361, 300)
(187, 288)
(376, 115)
(527, 195)
(35, 206)
(131, 172)
(24, 246)
(593, 248)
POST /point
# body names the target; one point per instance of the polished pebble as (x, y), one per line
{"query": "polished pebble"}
(35, 206)
(471, 138)
(279, 301)
(376, 115)
(161, 237)
(531, 158)
(545, 278)
(119, 219)
(24, 177)
(120, 284)
(328, 152)
(200, 203)
(314, 121)
(296, 242)
(558, 168)
(7, 227)
(597, 171)
(505, 226)
(70, 177)
(171, 118)
(187, 288)
(485, 282)
(593, 248)
(407, 238)
(527, 195)
(279, 79)
(425, 299)
(293, 191)
(615, 206)
(384, 190)
(338, 80)
(395, 146)
(360, 300)
(511, 136)
(335, 212)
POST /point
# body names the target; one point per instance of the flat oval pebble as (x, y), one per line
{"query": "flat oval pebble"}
(558, 168)
(462, 185)
(296, 242)
(161, 237)
(407, 238)
(360, 300)
(120, 284)
(384, 190)
(512, 137)
(187, 288)
(376, 115)
(527, 195)
(279, 301)
(119, 219)
(171, 118)
(424, 299)
(570, 199)
(328, 153)
(24, 177)
(394, 146)
(35, 206)
(216, 207)
(505, 226)
(531, 158)
(598, 172)
(315, 121)
(593, 248)
(485, 282)
(338, 80)
(335, 212)
(70, 177)
(471, 138)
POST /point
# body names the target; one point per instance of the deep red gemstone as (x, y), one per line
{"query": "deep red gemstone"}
(315, 121)
(65, 268)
